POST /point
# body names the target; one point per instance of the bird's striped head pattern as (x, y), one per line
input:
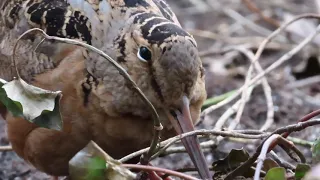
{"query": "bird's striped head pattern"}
(166, 52)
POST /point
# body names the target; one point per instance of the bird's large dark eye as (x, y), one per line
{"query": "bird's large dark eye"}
(144, 54)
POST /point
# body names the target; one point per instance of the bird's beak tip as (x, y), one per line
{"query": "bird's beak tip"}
(183, 123)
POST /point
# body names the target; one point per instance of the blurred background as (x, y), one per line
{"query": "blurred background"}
(221, 24)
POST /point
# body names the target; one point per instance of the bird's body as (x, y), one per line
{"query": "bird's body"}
(97, 104)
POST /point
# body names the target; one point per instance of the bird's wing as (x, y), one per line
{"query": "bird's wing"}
(166, 11)
(95, 22)
(55, 17)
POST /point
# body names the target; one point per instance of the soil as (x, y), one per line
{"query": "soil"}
(227, 71)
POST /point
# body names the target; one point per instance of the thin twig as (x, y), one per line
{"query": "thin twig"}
(39, 44)
(287, 129)
(307, 98)
(190, 169)
(229, 112)
(255, 9)
(265, 150)
(157, 169)
(241, 103)
(248, 43)
(292, 151)
(6, 148)
(209, 144)
(263, 155)
(281, 162)
(266, 88)
(157, 124)
(226, 115)
(275, 65)
(293, 148)
(303, 119)
(244, 21)
(181, 149)
(246, 94)
(300, 142)
(202, 132)
(304, 82)
(205, 34)
(199, 5)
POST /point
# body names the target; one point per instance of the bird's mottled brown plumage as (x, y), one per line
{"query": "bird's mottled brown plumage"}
(97, 105)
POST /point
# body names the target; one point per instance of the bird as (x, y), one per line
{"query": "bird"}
(143, 36)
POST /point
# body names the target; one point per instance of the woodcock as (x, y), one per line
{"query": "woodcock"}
(144, 36)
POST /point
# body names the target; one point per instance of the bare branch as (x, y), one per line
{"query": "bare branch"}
(157, 169)
(263, 154)
(275, 65)
(266, 88)
(265, 149)
(5, 148)
(287, 129)
(202, 132)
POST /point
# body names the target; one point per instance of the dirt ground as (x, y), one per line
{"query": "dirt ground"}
(219, 24)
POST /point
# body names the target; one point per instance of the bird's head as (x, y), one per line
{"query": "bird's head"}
(173, 67)
(162, 58)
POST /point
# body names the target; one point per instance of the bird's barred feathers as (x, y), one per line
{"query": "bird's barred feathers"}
(73, 18)
(165, 9)
(157, 29)
(88, 84)
(56, 17)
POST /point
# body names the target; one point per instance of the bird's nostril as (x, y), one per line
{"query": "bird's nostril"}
(173, 113)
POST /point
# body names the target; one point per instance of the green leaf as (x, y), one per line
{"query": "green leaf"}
(217, 99)
(14, 107)
(91, 163)
(316, 151)
(96, 168)
(301, 170)
(34, 104)
(277, 173)
(50, 119)
(234, 159)
(231, 161)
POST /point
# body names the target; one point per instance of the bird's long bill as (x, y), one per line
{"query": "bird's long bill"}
(182, 123)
